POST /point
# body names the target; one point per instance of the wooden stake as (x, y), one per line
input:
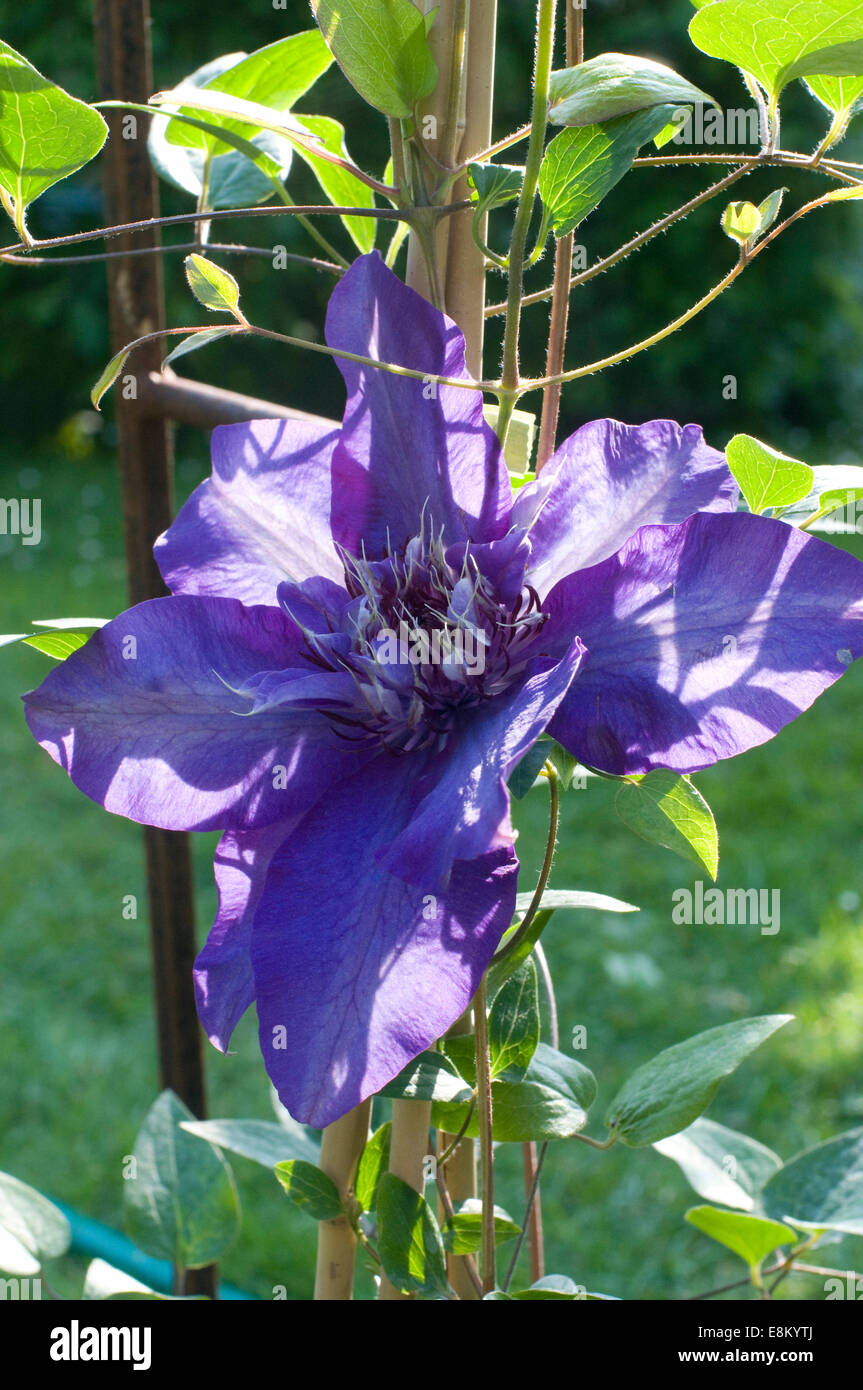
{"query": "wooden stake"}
(341, 1146)
(136, 302)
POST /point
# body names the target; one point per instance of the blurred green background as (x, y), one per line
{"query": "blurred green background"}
(75, 1009)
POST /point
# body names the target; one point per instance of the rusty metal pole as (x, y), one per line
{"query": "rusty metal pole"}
(136, 301)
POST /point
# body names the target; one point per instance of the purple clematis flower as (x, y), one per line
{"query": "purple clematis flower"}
(368, 629)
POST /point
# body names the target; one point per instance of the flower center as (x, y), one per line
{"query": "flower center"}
(431, 631)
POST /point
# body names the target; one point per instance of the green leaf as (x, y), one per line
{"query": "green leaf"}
(463, 1234)
(740, 221)
(45, 134)
(104, 1281)
(240, 178)
(671, 1090)
(67, 624)
(310, 1189)
(582, 165)
(494, 185)
(552, 900)
(342, 188)
(262, 1141)
(556, 899)
(374, 1162)
(382, 48)
(776, 41)
(564, 765)
(545, 1294)
(721, 1164)
(226, 111)
(822, 1187)
(67, 636)
(57, 644)
(409, 1240)
(669, 131)
(430, 1076)
(513, 1024)
(834, 485)
(753, 1238)
(181, 1204)
(556, 1070)
(830, 502)
(838, 94)
(461, 1051)
(841, 195)
(32, 1229)
(745, 223)
(667, 810)
(616, 84)
(109, 376)
(202, 338)
(557, 1287)
(551, 1102)
(766, 477)
(212, 286)
(525, 773)
(768, 210)
(274, 77)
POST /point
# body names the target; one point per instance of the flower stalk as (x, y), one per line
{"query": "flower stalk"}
(485, 1115)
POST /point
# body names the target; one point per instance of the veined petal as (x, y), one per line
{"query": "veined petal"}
(262, 517)
(606, 481)
(463, 803)
(703, 640)
(407, 447)
(224, 980)
(356, 972)
(146, 720)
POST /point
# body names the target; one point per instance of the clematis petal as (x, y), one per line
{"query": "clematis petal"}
(463, 804)
(262, 517)
(606, 481)
(146, 720)
(408, 448)
(224, 980)
(356, 972)
(703, 640)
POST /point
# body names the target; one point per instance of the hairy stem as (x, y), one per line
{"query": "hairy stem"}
(489, 151)
(635, 244)
(228, 248)
(525, 1225)
(484, 1111)
(521, 943)
(466, 1262)
(218, 214)
(835, 133)
(658, 337)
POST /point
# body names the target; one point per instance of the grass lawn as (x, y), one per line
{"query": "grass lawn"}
(75, 1009)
